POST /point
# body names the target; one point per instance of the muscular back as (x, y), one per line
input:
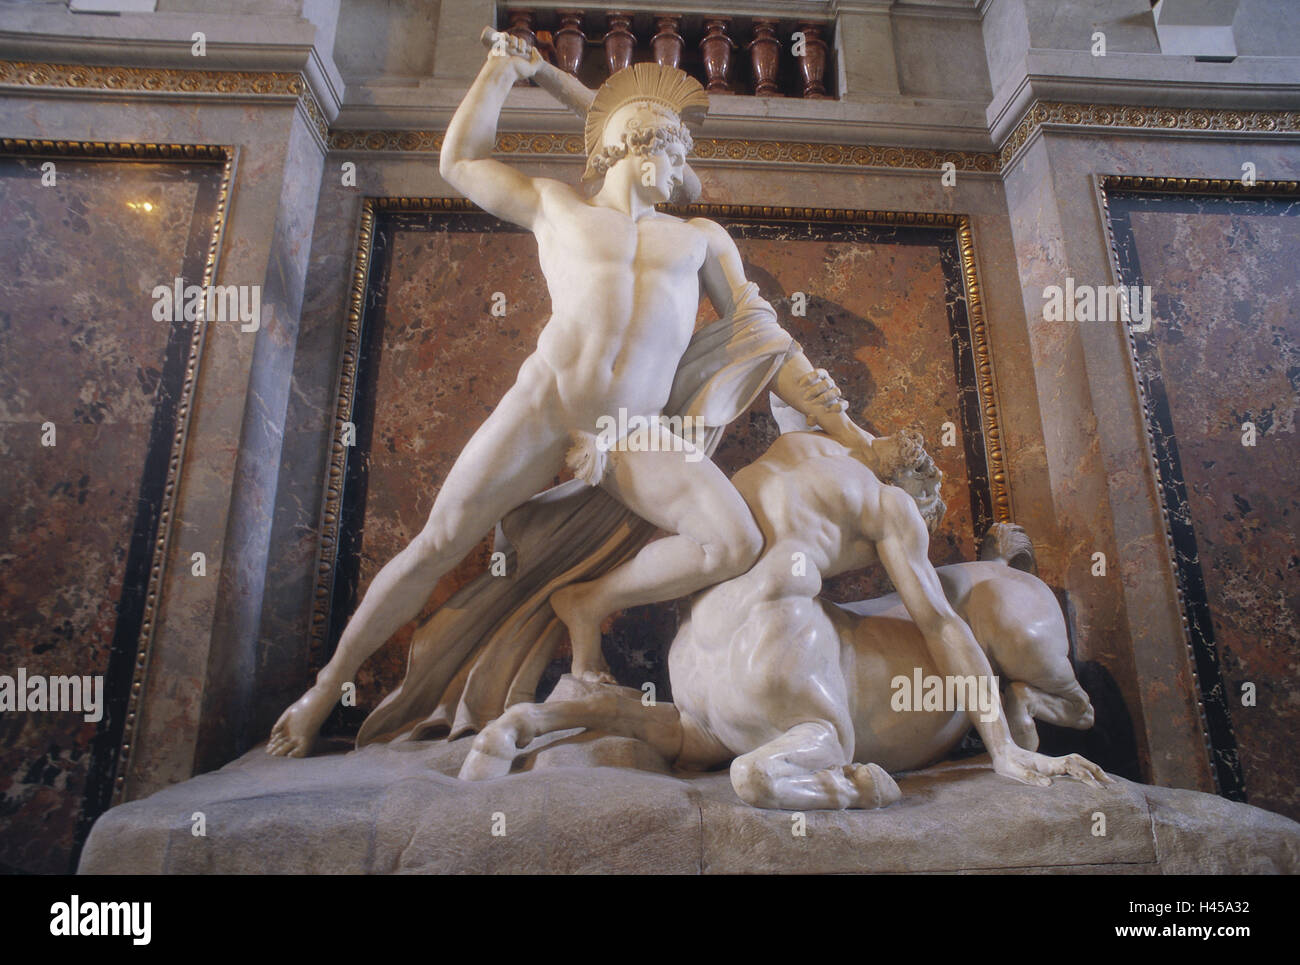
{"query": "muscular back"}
(810, 496)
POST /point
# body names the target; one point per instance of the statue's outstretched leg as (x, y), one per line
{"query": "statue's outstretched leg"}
(683, 493)
(807, 768)
(514, 454)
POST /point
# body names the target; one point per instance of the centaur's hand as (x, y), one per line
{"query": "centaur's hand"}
(1029, 767)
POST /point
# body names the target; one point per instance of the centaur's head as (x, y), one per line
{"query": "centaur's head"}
(637, 127)
(903, 462)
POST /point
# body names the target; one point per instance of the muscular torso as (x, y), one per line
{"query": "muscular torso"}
(624, 297)
(763, 652)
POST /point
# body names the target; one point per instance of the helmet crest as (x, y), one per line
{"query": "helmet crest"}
(660, 86)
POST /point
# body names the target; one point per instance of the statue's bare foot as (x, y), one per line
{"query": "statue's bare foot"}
(875, 787)
(295, 733)
(572, 605)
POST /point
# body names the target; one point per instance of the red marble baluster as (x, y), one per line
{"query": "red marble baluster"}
(570, 41)
(668, 44)
(812, 64)
(764, 55)
(521, 26)
(620, 42)
(717, 47)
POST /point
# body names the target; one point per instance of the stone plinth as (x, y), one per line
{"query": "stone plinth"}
(400, 808)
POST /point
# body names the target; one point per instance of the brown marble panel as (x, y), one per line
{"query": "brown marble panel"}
(1224, 350)
(79, 348)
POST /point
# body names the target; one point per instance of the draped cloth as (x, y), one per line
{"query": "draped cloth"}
(487, 646)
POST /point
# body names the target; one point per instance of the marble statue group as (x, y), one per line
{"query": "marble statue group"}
(799, 695)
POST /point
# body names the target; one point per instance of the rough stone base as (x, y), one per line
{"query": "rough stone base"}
(400, 808)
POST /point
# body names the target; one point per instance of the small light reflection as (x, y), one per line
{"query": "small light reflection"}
(145, 206)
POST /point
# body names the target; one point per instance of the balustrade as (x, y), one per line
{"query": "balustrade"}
(758, 56)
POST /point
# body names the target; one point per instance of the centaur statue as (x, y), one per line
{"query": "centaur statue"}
(800, 694)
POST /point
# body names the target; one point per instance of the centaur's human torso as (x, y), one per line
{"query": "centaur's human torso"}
(765, 644)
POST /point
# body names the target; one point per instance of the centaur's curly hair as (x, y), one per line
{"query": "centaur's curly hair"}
(909, 456)
(641, 140)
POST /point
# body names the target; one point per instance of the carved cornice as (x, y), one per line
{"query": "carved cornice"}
(285, 84)
(118, 150)
(796, 213)
(843, 155)
(157, 80)
(1128, 119)
(706, 148)
(1214, 186)
(1040, 114)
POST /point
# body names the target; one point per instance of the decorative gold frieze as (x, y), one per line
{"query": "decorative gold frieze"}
(118, 150)
(1124, 182)
(843, 155)
(1119, 117)
(157, 80)
(706, 148)
(1115, 117)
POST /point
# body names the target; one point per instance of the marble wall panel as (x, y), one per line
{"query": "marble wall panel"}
(1224, 350)
(434, 363)
(80, 348)
(260, 131)
(282, 651)
(1129, 620)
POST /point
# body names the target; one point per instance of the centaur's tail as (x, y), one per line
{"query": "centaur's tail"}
(1007, 543)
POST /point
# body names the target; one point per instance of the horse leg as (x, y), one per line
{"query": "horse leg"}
(1035, 658)
(494, 749)
(1064, 705)
(807, 768)
(1020, 720)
